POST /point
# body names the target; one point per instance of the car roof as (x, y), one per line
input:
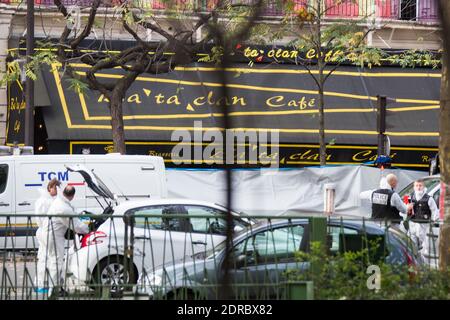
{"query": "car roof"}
(291, 213)
(130, 204)
(436, 176)
(370, 227)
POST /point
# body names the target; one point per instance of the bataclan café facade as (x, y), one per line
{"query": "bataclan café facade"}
(266, 90)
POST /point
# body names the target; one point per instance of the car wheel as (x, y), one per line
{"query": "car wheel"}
(110, 273)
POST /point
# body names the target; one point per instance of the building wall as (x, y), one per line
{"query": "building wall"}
(401, 36)
(390, 33)
(6, 17)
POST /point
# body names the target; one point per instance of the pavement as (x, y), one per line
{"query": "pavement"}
(17, 279)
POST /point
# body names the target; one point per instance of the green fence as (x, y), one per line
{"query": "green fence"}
(177, 255)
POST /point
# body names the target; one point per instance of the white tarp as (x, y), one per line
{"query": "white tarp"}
(270, 191)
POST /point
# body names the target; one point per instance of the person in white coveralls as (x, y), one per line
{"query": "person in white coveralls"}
(54, 231)
(41, 207)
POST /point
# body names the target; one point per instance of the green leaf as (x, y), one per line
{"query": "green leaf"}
(128, 17)
(78, 86)
(13, 73)
(30, 73)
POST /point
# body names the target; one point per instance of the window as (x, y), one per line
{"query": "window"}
(408, 9)
(162, 222)
(216, 224)
(3, 177)
(275, 245)
(176, 224)
(148, 222)
(348, 240)
(334, 232)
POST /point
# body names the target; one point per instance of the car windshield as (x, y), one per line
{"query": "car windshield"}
(216, 249)
(243, 217)
(430, 184)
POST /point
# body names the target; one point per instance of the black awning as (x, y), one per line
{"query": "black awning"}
(280, 97)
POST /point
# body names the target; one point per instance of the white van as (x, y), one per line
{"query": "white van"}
(130, 177)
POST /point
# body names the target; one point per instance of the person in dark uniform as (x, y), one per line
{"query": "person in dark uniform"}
(386, 203)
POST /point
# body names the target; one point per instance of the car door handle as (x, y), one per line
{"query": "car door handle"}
(147, 168)
(25, 203)
(199, 242)
(2, 204)
(142, 238)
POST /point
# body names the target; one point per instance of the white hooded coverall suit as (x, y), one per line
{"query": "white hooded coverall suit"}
(41, 207)
(54, 230)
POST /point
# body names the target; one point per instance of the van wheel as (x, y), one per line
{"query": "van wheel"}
(110, 273)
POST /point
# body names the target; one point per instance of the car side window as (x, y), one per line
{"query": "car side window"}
(213, 224)
(334, 232)
(179, 223)
(3, 177)
(148, 222)
(164, 221)
(271, 246)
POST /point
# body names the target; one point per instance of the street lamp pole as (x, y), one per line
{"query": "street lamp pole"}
(29, 86)
(381, 124)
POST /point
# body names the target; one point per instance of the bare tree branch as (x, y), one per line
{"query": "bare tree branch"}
(151, 26)
(330, 72)
(134, 34)
(311, 74)
(61, 8)
(87, 29)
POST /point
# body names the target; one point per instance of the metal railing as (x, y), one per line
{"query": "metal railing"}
(161, 256)
(408, 10)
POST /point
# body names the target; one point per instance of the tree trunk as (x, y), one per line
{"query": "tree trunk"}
(322, 145)
(118, 133)
(444, 153)
(444, 140)
(321, 83)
